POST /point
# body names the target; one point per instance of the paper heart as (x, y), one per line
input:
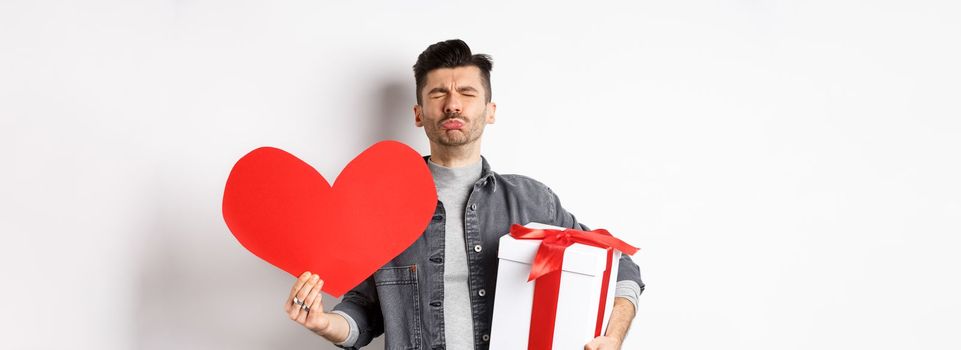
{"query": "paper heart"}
(286, 213)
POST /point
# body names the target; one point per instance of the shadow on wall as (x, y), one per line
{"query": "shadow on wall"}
(199, 288)
(394, 120)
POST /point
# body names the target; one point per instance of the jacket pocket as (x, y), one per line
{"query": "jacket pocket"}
(399, 296)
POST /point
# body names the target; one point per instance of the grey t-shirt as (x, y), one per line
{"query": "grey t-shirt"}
(453, 187)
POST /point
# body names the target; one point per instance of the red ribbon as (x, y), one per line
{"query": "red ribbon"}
(546, 269)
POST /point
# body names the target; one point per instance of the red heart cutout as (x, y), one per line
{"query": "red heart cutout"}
(286, 213)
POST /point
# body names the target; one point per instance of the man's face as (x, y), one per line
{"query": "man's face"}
(454, 109)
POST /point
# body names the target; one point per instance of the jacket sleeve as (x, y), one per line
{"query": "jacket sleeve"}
(362, 305)
(627, 270)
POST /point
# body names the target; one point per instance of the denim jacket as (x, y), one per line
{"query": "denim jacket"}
(404, 299)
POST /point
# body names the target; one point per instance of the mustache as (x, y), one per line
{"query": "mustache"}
(449, 116)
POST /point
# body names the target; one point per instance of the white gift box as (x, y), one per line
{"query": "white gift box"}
(577, 303)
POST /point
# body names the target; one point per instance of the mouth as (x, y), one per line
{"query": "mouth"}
(452, 124)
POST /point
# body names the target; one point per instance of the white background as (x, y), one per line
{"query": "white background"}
(789, 168)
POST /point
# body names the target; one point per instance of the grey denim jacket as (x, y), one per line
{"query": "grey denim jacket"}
(404, 299)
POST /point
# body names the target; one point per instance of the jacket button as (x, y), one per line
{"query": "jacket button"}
(438, 217)
(486, 337)
(435, 304)
(482, 292)
(437, 259)
(477, 248)
(473, 206)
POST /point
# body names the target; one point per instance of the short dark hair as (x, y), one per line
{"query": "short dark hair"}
(451, 54)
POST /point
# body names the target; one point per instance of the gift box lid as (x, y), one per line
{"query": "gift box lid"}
(578, 258)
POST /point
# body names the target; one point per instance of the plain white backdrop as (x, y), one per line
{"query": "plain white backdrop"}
(789, 168)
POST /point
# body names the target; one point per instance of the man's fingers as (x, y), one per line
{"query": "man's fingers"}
(293, 290)
(315, 316)
(300, 282)
(297, 313)
(603, 343)
(302, 294)
(316, 308)
(299, 295)
(311, 289)
(314, 293)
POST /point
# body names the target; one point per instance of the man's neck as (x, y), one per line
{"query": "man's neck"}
(454, 157)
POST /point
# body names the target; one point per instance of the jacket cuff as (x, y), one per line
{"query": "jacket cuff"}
(629, 290)
(358, 325)
(352, 326)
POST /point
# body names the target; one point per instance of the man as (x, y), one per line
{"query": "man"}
(439, 293)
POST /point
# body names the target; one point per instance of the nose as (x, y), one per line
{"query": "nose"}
(452, 105)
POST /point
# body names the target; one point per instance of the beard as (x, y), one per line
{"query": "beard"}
(468, 133)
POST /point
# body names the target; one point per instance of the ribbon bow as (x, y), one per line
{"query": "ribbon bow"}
(550, 255)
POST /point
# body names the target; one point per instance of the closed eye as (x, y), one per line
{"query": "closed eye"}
(467, 91)
(437, 92)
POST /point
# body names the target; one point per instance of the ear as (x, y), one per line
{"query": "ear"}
(491, 110)
(418, 116)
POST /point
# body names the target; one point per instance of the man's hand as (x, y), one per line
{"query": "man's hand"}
(305, 306)
(620, 321)
(603, 343)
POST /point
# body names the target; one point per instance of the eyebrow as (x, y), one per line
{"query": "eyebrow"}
(445, 90)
